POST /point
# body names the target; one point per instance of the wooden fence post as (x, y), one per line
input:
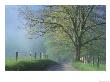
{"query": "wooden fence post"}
(98, 61)
(35, 55)
(46, 56)
(93, 61)
(85, 59)
(101, 59)
(16, 56)
(40, 55)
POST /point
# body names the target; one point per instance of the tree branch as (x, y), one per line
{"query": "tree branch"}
(89, 27)
(95, 38)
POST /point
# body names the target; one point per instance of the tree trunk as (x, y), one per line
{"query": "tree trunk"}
(78, 53)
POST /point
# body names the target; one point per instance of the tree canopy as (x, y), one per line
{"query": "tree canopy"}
(79, 27)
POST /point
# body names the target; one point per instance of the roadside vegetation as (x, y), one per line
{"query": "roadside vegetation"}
(89, 67)
(35, 65)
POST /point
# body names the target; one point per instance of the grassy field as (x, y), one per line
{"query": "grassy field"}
(28, 65)
(89, 67)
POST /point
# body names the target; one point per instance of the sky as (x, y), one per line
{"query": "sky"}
(15, 39)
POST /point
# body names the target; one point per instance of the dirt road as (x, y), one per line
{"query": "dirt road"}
(62, 67)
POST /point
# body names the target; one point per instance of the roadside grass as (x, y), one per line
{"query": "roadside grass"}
(89, 67)
(12, 60)
(34, 65)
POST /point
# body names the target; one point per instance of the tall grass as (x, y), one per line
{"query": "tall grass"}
(89, 67)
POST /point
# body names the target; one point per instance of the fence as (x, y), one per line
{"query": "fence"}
(31, 56)
(93, 60)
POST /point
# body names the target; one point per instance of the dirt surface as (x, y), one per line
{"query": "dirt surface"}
(62, 67)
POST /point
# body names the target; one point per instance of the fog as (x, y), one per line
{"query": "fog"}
(16, 39)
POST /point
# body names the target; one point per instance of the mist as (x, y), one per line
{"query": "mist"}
(16, 39)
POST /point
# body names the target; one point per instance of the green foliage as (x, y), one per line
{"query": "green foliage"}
(38, 65)
(89, 67)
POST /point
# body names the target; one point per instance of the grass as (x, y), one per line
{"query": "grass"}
(34, 65)
(89, 67)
